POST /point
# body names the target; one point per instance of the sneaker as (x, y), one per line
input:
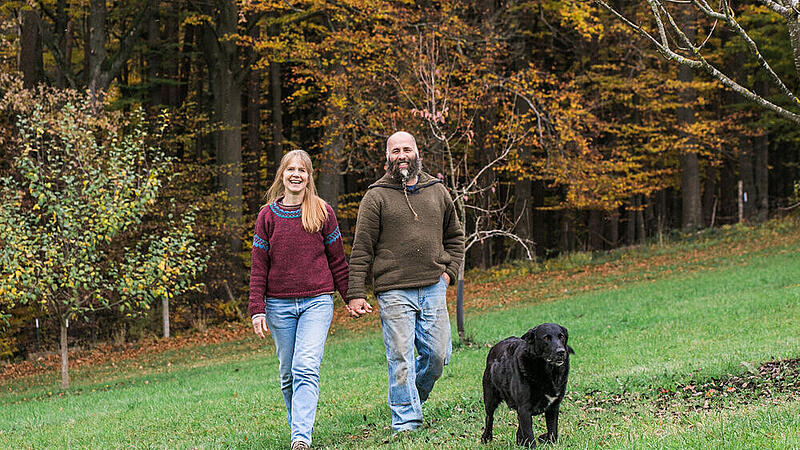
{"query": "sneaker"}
(300, 445)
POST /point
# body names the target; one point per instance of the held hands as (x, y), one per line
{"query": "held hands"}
(260, 326)
(358, 307)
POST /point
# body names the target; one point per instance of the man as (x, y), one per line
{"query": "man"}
(408, 233)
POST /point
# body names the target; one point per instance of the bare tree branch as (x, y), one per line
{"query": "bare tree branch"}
(700, 62)
(777, 7)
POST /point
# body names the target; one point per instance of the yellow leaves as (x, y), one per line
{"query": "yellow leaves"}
(198, 19)
(575, 14)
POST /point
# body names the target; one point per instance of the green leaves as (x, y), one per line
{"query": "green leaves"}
(81, 188)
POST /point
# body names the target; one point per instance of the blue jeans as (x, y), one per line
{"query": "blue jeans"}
(414, 318)
(299, 327)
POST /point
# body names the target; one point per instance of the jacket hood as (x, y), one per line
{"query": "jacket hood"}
(387, 181)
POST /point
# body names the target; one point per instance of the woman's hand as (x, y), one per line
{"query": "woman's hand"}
(260, 326)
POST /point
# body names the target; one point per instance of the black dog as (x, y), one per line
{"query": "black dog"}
(530, 374)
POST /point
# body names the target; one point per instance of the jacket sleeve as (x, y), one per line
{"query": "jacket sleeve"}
(334, 251)
(452, 237)
(259, 267)
(368, 226)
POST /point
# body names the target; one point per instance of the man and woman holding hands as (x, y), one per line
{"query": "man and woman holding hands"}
(407, 235)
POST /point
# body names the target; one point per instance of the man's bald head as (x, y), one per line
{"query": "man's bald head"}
(399, 140)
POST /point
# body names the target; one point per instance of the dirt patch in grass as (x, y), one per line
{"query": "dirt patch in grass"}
(771, 382)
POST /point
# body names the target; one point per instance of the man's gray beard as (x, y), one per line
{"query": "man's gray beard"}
(403, 175)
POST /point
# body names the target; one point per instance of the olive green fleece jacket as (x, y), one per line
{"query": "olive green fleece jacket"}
(404, 252)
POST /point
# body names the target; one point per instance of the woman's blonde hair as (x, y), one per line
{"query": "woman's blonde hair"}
(313, 210)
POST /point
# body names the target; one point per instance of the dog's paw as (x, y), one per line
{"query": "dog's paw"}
(546, 438)
(486, 438)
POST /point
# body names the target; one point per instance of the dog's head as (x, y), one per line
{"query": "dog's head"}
(549, 342)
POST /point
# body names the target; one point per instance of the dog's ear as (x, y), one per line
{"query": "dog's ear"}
(570, 350)
(530, 335)
(566, 333)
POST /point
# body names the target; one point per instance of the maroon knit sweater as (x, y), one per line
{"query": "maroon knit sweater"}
(289, 262)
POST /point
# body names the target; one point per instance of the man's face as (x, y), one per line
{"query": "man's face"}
(404, 162)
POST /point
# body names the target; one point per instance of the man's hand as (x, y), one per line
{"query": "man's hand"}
(446, 278)
(260, 326)
(358, 307)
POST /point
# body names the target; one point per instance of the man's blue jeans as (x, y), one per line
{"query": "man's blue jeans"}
(414, 318)
(299, 327)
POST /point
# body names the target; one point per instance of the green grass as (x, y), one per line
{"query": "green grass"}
(658, 329)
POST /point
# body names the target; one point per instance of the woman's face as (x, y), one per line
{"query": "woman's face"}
(295, 177)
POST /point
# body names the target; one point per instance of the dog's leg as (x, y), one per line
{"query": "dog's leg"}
(491, 400)
(525, 429)
(551, 419)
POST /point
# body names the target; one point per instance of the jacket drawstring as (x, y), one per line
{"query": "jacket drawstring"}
(405, 192)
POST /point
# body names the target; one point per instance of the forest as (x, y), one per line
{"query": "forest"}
(139, 137)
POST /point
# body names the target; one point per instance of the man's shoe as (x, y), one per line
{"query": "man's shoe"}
(300, 445)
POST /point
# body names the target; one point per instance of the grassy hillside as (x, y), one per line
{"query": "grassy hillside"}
(675, 348)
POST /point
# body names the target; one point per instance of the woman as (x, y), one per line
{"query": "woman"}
(297, 261)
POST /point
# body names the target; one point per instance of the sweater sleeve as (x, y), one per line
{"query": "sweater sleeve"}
(452, 238)
(334, 251)
(363, 253)
(259, 267)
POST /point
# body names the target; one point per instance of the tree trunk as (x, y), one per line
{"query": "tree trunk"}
(567, 231)
(539, 219)
(641, 232)
(595, 230)
(170, 92)
(165, 315)
(223, 67)
(188, 47)
(727, 193)
(330, 176)
(96, 45)
(254, 147)
(630, 223)
(710, 202)
(523, 191)
(64, 355)
(277, 112)
(63, 36)
(692, 212)
(99, 72)
(154, 57)
(31, 63)
(612, 228)
(747, 197)
(761, 177)
(276, 95)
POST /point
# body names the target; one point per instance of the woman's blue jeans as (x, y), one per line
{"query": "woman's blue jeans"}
(414, 318)
(299, 327)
